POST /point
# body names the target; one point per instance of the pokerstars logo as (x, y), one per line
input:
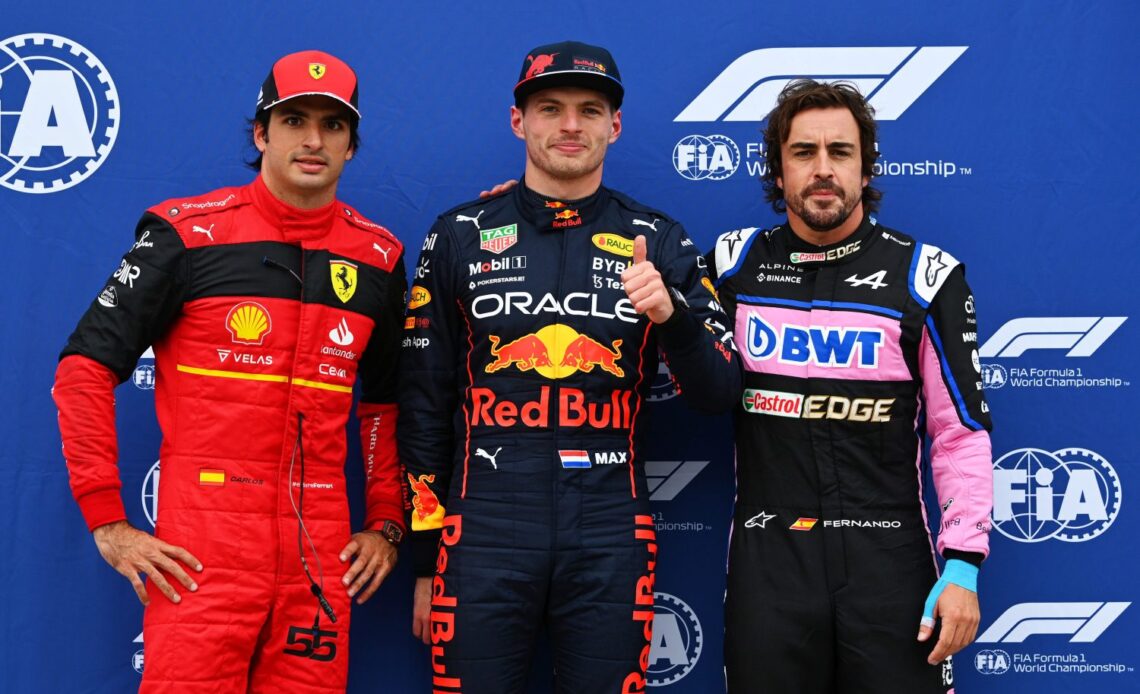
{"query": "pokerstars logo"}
(59, 113)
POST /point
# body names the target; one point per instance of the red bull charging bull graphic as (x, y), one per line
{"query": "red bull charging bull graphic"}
(556, 351)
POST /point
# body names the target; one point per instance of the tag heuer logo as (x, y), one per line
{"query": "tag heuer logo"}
(500, 239)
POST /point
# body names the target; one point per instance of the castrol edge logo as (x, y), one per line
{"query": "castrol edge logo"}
(797, 405)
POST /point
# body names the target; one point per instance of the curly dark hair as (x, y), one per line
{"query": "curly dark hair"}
(802, 95)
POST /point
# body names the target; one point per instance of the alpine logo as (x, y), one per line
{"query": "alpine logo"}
(892, 77)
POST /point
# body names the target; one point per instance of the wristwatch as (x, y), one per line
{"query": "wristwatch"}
(391, 532)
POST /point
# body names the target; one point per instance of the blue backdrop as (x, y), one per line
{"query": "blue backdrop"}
(1004, 130)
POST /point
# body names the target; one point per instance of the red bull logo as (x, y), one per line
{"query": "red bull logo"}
(584, 353)
(566, 214)
(539, 64)
(428, 511)
(574, 410)
(566, 218)
(556, 204)
(556, 351)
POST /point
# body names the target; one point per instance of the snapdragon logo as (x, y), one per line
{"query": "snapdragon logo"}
(893, 78)
(59, 113)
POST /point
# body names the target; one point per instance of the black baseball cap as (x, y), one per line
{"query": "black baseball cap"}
(570, 64)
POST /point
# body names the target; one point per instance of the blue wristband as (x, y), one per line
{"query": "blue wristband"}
(958, 572)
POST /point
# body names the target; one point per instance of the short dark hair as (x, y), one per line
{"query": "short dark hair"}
(803, 95)
(262, 117)
(521, 102)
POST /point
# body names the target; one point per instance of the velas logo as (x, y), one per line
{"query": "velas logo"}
(677, 641)
(499, 239)
(612, 243)
(893, 78)
(343, 275)
(248, 323)
(1072, 495)
(61, 108)
(555, 351)
(417, 297)
(539, 63)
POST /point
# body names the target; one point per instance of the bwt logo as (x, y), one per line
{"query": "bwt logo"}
(700, 157)
(1072, 495)
(677, 641)
(666, 478)
(1081, 336)
(892, 78)
(823, 346)
(1085, 621)
(59, 113)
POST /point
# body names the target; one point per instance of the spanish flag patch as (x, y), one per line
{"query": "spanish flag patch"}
(208, 477)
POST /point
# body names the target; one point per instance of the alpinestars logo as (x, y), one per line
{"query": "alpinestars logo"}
(892, 77)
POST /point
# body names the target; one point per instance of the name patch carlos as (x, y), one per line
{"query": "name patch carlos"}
(826, 346)
(799, 406)
(574, 410)
(574, 304)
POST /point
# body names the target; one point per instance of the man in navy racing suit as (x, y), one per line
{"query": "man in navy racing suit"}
(533, 335)
(856, 341)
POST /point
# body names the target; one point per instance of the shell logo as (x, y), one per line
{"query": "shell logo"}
(612, 243)
(248, 323)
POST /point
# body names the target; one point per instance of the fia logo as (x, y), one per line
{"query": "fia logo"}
(59, 113)
(1072, 495)
(992, 662)
(700, 157)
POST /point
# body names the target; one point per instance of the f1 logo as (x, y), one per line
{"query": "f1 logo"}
(892, 77)
(666, 478)
(1081, 336)
(1086, 621)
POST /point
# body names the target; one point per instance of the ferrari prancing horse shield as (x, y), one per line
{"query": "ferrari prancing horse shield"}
(343, 279)
(316, 70)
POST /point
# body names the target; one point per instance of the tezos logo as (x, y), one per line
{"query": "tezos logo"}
(677, 641)
(149, 495)
(65, 110)
(700, 157)
(992, 662)
(1070, 495)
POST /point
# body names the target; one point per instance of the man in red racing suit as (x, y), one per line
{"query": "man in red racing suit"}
(264, 303)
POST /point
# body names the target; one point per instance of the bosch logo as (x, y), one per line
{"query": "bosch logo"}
(59, 113)
(677, 641)
(1072, 495)
(700, 157)
(149, 494)
(992, 662)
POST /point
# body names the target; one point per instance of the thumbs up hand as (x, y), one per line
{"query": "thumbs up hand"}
(644, 286)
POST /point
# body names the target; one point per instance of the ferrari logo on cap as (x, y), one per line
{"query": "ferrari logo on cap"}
(343, 279)
(316, 70)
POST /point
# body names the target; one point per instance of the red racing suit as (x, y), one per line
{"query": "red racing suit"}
(261, 316)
